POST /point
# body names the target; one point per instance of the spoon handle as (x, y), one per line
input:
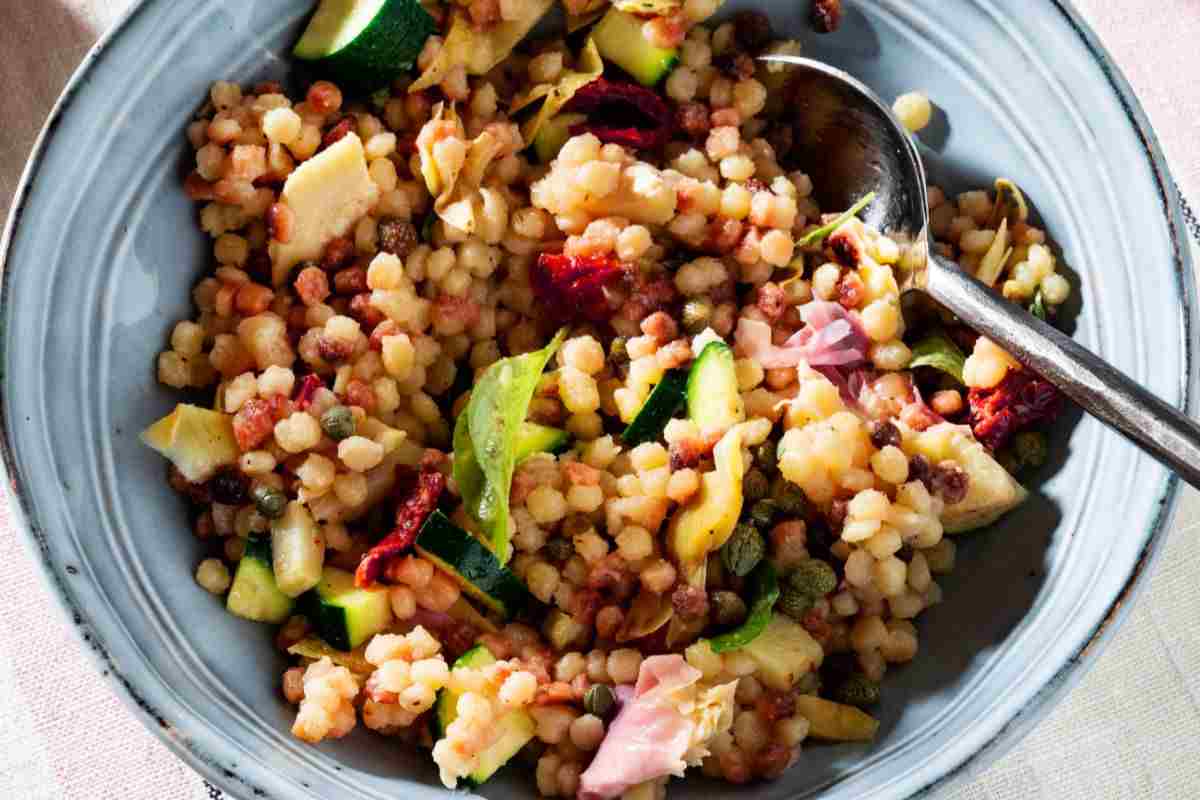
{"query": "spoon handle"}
(1105, 392)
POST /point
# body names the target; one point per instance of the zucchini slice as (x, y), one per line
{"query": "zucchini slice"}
(344, 615)
(254, 595)
(365, 43)
(533, 438)
(516, 728)
(714, 402)
(472, 564)
(663, 403)
(619, 39)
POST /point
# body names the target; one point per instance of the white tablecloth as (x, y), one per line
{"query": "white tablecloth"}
(1131, 729)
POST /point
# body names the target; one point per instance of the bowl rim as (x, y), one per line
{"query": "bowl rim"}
(1181, 225)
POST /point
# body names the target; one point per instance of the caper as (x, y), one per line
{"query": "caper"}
(338, 422)
(765, 457)
(857, 690)
(727, 609)
(618, 352)
(789, 498)
(814, 577)
(558, 550)
(269, 501)
(696, 315)
(755, 485)
(599, 700)
(743, 551)
(1031, 449)
(762, 514)
(794, 602)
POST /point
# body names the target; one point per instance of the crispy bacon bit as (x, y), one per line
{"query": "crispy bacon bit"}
(851, 291)
(771, 301)
(554, 694)
(826, 15)
(196, 187)
(457, 311)
(846, 248)
(646, 296)
(196, 492)
(692, 119)
(774, 706)
(1020, 401)
(723, 234)
(578, 473)
(352, 280)
(611, 578)
(689, 601)
(338, 253)
(333, 350)
(367, 315)
(622, 113)
(253, 423)
(312, 286)
(305, 391)
(584, 605)
(335, 134)
(397, 236)
(687, 453)
(359, 393)
(573, 286)
(410, 516)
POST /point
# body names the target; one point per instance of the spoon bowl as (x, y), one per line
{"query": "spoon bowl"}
(850, 143)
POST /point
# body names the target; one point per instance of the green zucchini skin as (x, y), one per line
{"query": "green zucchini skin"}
(516, 727)
(472, 564)
(619, 39)
(342, 614)
(664, 402)
(254, 594)
(387, 47)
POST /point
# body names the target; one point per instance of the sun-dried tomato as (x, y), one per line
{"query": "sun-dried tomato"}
(622, 113)
(1020, 401)
(573, 286)
(305, 391)
(253, 423)
(410, 516)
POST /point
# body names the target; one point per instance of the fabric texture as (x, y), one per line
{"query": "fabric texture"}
(1105, 740)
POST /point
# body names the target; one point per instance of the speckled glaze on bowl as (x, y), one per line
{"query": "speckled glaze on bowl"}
(102, 250)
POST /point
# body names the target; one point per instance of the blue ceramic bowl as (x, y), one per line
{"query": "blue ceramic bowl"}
(102, 250)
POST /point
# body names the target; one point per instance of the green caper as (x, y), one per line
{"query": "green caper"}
(696, 315)
(269, 501)
(558, 550)
(789, 498)
(618, 352)
(763, 513)
(794, 602)
(814, 577)
(743, 551)
(765, 457)
(338, 422)
(809, 683)
(1031, 449)
(857, 690)
(755, 485)
(727, 609)
(599, 700)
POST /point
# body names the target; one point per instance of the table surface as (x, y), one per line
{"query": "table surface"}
(1105, 740)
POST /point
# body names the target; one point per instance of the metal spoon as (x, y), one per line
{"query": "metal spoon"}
(851, 144)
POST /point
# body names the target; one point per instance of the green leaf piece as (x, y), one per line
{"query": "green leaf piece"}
(821, 233)
(764, 589)
(485, 439)
(939, 352)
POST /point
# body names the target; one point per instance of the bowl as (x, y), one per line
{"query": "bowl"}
(102, 250)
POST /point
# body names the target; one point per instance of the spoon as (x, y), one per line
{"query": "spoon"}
(849, 142)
